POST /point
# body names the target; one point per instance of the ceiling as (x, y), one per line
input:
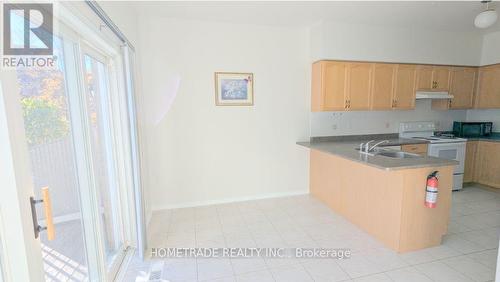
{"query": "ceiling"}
(437, 15)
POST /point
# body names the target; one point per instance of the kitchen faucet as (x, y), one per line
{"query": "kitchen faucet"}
(365, 147)
(377, 144)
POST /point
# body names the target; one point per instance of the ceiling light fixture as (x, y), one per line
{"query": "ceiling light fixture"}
(486, 18)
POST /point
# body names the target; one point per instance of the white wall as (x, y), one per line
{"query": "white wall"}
(343, 41)
(490, 53)
(375, 122)
(202, 153)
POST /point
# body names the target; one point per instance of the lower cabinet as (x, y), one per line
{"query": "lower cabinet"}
(487, 168)
(470, 161)
(481, 163)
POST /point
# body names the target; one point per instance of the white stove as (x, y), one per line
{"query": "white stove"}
(445, 146)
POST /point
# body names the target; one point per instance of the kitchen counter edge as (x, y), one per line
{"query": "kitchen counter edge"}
(346, 150)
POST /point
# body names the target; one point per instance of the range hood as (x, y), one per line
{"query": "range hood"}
(433, 95)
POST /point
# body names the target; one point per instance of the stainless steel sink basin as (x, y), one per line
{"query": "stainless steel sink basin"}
(396, 154)
(390, 154)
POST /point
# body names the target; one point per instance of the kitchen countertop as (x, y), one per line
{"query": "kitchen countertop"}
(345, 147)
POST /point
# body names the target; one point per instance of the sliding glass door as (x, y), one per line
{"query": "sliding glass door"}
(48, 127)
(73, 139)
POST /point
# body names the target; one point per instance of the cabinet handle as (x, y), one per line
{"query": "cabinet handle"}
(449, 103)
(347, 104)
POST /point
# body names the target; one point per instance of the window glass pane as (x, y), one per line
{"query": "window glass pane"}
(97, 98)
(44, 102)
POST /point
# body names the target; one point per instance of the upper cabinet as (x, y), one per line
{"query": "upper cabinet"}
(383, 86)
(393, 87)
(329, 84)
(433, 78)
(463, 84)
(488, 92)
(359, 86)
(424, 78)
(349, 86)
(404, 90)
(441, 78)
(341, 86)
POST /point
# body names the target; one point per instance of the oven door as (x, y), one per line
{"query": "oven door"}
(450, 151)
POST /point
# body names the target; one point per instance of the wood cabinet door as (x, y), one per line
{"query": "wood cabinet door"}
(488, 95)
(334, 78)
(487, 170)
(382, 97)
(440, 78)
(470, 161)
(404, 87)
(463, 82)
(359, 86)
(317, 95)
(424, 77)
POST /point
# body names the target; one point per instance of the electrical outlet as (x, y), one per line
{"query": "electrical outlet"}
(387, 124)
(336, 115)
(334, 127)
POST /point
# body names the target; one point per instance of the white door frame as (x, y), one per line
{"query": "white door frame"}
(88, 200)
(22, 255)
(115, 147)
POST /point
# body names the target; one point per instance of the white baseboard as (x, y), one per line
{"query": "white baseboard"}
(228, 200)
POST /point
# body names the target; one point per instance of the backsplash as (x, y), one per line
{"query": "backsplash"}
(378, 122)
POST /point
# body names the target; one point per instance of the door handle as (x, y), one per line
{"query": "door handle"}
(49, 221)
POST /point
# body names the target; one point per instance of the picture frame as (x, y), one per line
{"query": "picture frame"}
(234, 89)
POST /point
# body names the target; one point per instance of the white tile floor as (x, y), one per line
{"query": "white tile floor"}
(468, 252)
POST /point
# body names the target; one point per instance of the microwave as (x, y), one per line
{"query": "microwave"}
(472, 129)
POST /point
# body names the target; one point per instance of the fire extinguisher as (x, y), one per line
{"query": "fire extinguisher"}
(431, 191)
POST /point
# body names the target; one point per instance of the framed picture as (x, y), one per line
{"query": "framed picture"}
(233, 89)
